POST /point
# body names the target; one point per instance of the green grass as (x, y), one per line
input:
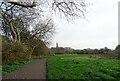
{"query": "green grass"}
(7, 68)
(82, 67)
(0, 70)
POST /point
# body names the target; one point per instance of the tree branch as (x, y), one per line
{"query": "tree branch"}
(24, 5)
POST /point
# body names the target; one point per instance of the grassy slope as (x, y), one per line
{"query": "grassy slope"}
(82, 67)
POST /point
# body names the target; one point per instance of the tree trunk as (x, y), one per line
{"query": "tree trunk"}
(14, 34)
(18, 35)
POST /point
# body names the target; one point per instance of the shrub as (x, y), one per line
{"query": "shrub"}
(40, 49)
(14, 51)
(117, 51)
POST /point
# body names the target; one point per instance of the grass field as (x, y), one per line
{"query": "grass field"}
(82, 67)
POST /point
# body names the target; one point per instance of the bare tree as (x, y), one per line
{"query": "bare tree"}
(12, 26)
(14, 19)
(22, 4)
(43, 30)
(70, 8)
(25, 11)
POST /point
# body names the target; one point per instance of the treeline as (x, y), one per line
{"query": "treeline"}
(106, 52)
(94, 51)
(21, 38)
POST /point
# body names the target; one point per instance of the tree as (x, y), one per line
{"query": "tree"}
(17, 15)
(14, 20)
(39, 36)
(43, 30)
(10, 9)
(118, 47)
(40, 49)
(118, 50)
(22, 4)
(12, 28)
(69, 8)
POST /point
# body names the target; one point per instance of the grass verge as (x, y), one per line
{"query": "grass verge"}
(7, 68)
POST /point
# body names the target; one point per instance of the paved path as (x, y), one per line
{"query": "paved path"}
(34, 70)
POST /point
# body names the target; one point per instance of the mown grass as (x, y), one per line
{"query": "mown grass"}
(82, 67)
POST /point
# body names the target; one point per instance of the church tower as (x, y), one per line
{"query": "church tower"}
(56, 45)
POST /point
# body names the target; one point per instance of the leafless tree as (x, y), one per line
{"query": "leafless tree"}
(43, 30)
(70, 8)
(14, 19)
(28, 10)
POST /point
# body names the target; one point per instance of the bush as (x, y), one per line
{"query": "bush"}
(14, 51)
(117, 51)
(40, 49)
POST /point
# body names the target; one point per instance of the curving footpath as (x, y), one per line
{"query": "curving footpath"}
(34, 70)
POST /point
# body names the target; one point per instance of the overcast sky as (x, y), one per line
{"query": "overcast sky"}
(98, 31)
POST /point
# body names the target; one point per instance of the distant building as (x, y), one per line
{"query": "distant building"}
(57, 50)
(60, 50)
